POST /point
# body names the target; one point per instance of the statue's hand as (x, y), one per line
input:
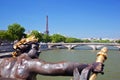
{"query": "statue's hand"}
(97, 67)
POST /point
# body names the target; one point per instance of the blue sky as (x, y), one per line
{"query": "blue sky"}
(73, 18)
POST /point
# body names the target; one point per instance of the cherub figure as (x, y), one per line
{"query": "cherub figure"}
(25, 64)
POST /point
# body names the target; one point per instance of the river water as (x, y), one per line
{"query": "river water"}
(83, 55)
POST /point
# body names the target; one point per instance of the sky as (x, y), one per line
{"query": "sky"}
(71, 18)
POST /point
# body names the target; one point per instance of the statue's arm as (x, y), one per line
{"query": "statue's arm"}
(55, 69)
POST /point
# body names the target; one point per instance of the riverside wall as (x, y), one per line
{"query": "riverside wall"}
(5, 47)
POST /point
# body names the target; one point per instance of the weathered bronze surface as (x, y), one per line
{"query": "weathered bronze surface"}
(26, 65)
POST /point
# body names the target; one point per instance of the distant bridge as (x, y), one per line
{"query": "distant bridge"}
(94, 46)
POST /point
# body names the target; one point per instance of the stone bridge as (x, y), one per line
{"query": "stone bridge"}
(94, 46)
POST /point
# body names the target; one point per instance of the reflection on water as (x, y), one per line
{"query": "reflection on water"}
(85, 55)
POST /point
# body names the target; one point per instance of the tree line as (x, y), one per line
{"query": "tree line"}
(16, 32)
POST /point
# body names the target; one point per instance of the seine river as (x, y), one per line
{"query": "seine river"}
(84, 55)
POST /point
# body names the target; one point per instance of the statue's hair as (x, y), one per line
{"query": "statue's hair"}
(25, 40)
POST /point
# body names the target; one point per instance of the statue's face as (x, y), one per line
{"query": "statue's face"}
(33, 52)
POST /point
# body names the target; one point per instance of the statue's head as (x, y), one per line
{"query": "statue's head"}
(23, 41)
(28, 45)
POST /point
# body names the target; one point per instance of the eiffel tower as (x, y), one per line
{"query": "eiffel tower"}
(47, 31)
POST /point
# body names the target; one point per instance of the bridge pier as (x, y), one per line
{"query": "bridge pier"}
(95, 47)
(118, 47)
(49, 46)
(70, 46)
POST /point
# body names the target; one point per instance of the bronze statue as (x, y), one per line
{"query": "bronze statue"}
(25, 64)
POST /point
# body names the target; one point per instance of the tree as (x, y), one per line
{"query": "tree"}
(16, 31)
(117, 41)
(86, 40)
(36, 34)
(2, 35)
(72, 40)
(58, 38)
(46, 38)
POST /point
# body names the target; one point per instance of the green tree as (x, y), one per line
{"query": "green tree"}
(117, 41)
(101, 41)
(46, 38)
(72, 40)
(36, 34)
(86, 40)
(104, 41)
(57, 38)
(16, 31)
(2, 35)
